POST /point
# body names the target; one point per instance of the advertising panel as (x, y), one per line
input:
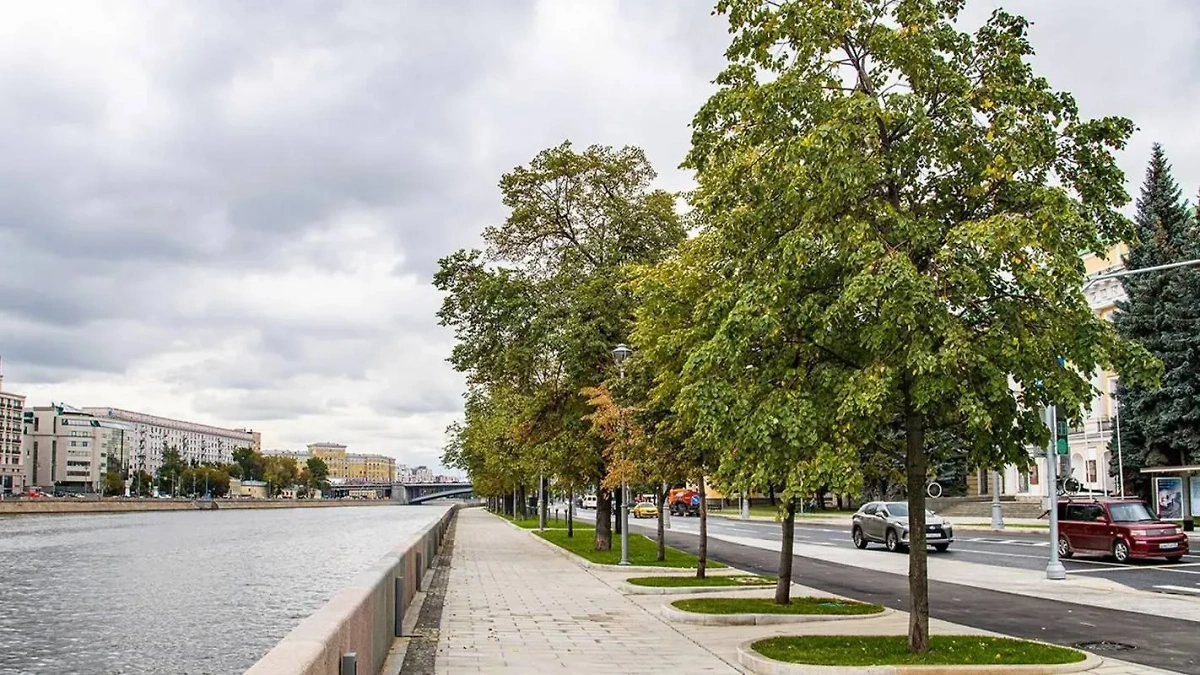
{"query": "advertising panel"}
(1168, 491)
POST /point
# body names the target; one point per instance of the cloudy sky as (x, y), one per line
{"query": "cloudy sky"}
(228, 211)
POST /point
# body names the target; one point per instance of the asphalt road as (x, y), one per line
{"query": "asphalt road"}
(1011, 548)
(1160, 642)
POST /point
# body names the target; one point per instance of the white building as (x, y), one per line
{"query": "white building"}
(70, 449)
(14, 462)
(152, 435)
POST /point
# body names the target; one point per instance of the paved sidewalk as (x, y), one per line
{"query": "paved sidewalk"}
(511, 605)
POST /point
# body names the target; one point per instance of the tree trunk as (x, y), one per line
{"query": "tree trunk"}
(603, 521)
(571, 513)
(783, 587)
(771, 493)
(702, 563)
(918, 557)
(662, 531)
(522, 502)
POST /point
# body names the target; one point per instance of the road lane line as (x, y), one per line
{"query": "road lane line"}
(1185, 589)
(1010, 555)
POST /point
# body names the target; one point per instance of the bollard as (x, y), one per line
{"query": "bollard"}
(399, 605)
(349, 664)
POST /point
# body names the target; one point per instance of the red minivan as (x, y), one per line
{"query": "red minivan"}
(1122, 528)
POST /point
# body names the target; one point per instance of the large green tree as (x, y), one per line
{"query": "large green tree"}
(536, 313)
(910, 202)
(1161, 425)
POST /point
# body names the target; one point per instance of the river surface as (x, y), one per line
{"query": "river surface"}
(177, 592)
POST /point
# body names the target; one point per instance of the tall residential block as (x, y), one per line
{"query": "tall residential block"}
(153, 435)
(70, 450)
(14, 463)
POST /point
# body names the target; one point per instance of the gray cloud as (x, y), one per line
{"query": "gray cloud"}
(230, 211)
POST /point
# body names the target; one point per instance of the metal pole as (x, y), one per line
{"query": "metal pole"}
(745, 507)
(1054, 569)
(997, 514)
(624, 524)
(665, 506)
(1120, 459)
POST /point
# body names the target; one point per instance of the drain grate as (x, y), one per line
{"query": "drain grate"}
(1104, 646)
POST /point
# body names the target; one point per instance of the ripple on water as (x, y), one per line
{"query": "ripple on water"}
(177, 593)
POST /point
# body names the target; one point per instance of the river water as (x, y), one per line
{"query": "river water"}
(177, 592)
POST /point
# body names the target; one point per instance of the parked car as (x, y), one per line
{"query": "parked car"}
(644, 510)
(887, 523)
(1122, 528)
(589, 502)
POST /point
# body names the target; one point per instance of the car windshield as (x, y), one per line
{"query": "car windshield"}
(900, 510)
(1130, 512)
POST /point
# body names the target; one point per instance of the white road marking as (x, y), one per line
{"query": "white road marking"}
(1184, 589)
(1120, 568)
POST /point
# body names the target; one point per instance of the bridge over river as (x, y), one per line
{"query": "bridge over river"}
(405, 493)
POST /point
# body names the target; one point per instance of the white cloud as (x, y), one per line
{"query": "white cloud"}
(230, 214)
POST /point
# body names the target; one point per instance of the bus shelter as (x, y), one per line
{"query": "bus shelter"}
(1176, 492)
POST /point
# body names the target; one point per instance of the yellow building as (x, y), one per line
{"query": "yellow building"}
(354, 467)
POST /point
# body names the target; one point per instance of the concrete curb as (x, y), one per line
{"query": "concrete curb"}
(761, 665)
(632, 589)
(672, 613)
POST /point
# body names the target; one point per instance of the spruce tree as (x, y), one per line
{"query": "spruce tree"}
(1161, 426)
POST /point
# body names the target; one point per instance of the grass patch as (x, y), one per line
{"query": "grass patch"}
(693, 582)
(531, 522)
(642, 551)
(735, 511)
(803, 605)
(878, 650)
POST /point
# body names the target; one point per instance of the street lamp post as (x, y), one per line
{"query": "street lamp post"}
(620, 353)
(1054, 569)
(997, 513)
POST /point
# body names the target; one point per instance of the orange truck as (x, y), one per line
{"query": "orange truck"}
(684, 502)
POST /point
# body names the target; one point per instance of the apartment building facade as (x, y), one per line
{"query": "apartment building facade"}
(353, 467)
(14, 463)
(71, 450)
(1090, 461)
(153, 435)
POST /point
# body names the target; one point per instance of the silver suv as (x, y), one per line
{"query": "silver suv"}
(887, 523)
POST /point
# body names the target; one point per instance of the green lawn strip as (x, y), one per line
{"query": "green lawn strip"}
(693, 582)
(804, 605)
(879, 650)
(531, 522)
(642, 551)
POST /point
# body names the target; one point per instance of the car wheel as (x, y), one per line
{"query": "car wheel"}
(859, 540)
(1174, 558)
(941, 548)
(1121, 551)
(892, 541)
(1064, 547)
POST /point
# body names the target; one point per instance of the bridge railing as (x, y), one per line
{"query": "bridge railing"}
(363, 619)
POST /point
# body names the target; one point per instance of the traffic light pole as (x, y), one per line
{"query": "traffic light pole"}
(1054, 569)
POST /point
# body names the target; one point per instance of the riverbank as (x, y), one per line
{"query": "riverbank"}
(128, 505)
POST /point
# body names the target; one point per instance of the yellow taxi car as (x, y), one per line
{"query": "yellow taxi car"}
(644, 510)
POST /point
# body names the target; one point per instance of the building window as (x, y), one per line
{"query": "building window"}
(1033, 474)
(1091, 470)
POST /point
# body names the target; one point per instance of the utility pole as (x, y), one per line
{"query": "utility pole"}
(1054, 569)
(997, 513)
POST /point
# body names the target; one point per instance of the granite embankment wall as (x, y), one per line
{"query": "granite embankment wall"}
(119, 505)
(363, 618)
